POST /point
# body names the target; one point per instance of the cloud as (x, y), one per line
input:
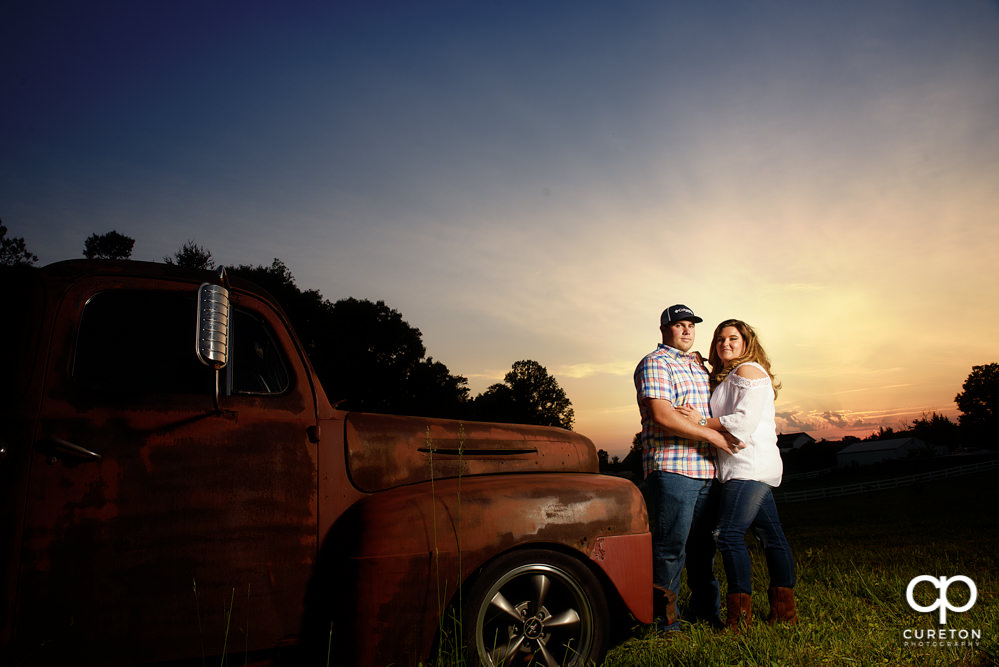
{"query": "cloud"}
(834, 424)
(490, 375)
(881, 388)
(796, 420)
(585, 370)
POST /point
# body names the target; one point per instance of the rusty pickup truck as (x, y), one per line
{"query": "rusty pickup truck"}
(176, 486)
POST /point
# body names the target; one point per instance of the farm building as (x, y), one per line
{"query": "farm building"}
(876, 451)
(787, 442)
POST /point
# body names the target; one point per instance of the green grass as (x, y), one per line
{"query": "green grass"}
(855, 557)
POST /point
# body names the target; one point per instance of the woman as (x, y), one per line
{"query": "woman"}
(742, 400)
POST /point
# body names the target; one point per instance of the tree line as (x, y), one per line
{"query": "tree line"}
(366, 355)
(370, 359)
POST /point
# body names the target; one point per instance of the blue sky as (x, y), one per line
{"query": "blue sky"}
(537, 180)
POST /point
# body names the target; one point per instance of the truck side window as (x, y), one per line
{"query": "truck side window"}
(258, 367)
(137, 343)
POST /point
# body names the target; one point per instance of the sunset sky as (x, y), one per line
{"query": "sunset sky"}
(538, 180)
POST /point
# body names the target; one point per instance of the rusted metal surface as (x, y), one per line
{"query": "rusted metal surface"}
(627, 561)
(188, 515)
(385, 451)
(273, 517)
(419, 544)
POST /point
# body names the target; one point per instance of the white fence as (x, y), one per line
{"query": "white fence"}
(882, 484)
(808, 475)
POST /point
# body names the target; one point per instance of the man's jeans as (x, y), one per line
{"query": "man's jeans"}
(744, 504)
(682, 513)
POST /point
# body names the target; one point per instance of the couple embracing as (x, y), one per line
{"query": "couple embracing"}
(710, 458)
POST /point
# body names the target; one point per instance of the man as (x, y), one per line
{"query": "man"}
(678, 461)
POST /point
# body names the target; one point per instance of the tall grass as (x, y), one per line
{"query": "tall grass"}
(450, 637)
(227, 611)
(855, 559)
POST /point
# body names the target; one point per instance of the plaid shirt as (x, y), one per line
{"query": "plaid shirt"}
(678, 378)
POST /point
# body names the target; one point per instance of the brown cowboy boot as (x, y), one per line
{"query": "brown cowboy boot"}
(664, 607)
(739, 611)
(782, 609)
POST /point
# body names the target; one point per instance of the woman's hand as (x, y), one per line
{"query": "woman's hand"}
(734, 443)
(689, 413)
(726, 442)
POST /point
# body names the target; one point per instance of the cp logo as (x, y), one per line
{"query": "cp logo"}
(942, 603)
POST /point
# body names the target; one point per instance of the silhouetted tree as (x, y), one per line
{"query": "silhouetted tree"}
(979, 405)
(13, 251)
(108, 246)
(529, 395)
(883, 433)
(936, 429)
(496, 404)
(192, 256)
(634, 458)
(308, 311)
(603, 459)
(432, 391)
(367, 357)
(375, 352)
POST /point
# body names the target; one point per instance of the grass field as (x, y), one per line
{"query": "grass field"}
(855, 557)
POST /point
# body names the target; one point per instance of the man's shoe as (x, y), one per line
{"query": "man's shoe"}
(664, 605)
(662, 625)
(714, 622)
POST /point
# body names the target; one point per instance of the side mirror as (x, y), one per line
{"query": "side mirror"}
(213, 325)
(212, 336)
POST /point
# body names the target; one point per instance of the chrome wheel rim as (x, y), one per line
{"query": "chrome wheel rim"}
(534, 614)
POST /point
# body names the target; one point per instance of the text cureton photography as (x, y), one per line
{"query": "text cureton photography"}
(937, 589)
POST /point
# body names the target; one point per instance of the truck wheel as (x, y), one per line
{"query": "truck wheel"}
(536, 606)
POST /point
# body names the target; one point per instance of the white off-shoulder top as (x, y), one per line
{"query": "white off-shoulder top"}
(745, 407)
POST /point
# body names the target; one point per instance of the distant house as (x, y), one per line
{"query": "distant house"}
(790, 441)
(876, 451)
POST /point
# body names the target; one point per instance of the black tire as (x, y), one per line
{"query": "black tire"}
(535, 607)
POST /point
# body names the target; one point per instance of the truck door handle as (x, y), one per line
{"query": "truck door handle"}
(64, 449)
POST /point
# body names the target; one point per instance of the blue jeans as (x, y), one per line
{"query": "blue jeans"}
(745, 504)
(682, 516)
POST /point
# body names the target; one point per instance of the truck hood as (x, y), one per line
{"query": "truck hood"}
(384, 451)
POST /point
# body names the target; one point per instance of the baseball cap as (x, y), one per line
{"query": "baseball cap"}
(677, 313)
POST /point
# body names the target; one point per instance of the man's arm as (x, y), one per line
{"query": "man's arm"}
(674, 423)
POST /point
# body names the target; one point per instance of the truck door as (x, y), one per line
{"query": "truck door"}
(158, 528)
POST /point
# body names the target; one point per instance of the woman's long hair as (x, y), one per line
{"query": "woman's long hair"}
(754, 352)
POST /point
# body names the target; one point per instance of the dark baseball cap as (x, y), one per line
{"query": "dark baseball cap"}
(678, 313)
